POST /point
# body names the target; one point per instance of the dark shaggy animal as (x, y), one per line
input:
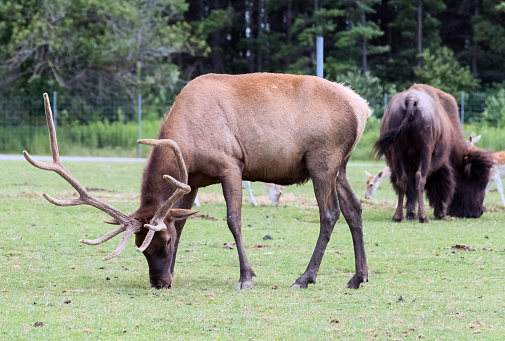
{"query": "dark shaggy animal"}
(423, 144)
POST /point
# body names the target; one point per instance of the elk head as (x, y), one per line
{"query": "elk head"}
(162, 221)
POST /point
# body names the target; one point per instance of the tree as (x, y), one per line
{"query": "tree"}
(357, 36)
(94, 47)
(441, 70)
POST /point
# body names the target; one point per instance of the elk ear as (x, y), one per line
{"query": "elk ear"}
(368, 173)
(180, 214)
(111, 221)
(380, 175)
(476, 139)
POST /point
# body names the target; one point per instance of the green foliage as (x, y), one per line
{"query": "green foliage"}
(366, 85)
(441, 70)
(494, 114)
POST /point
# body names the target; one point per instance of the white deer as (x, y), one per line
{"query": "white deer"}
(274, 193)
(373, 181)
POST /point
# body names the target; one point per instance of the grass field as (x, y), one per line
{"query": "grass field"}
(419, 286)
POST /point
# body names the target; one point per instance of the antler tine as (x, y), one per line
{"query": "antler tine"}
(127, 224)
(183, 172)
(182, 188)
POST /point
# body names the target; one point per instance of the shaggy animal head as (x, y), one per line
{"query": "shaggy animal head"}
(472, 177)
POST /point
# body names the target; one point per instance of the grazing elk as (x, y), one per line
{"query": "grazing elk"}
(373, 181)
(424, 147)
(283, 129)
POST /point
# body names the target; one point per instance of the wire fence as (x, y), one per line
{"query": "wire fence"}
(117, 122)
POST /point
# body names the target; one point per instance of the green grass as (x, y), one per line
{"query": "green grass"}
(442, 290)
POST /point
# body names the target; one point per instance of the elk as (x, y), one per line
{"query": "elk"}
(373, 181)
(276, 128)
(423, 143)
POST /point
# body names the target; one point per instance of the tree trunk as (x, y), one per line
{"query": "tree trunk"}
(420, 31)
(364, 47)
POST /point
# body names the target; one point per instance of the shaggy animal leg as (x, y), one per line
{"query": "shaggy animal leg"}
(440, 189)
(351, 209)
(232, 190)
(420, 183)
(325, 190)
(187, 203)
(411, 195)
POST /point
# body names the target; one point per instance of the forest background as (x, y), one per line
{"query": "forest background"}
(99, 55)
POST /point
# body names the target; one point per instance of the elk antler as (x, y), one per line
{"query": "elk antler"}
(156, 223)
(126, 224)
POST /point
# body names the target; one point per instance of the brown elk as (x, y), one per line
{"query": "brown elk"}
(423, 143)
(276, 128)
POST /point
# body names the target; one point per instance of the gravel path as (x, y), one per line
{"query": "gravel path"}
(115, 159)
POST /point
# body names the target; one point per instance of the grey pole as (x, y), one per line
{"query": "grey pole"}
(55, 109)
(462, 107)
(140, 123)
(385, 102)
(319, 52)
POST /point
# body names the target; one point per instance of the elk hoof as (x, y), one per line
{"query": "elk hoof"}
(244, 285)
(411, 216)
(356, 280)
(424, 219)
(298, 286)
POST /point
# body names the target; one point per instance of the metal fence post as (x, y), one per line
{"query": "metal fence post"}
(319, 52)
(462, 107)
(140, 123)
(55, 108)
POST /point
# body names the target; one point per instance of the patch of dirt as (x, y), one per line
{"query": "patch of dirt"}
(259, 246)
(204, 217)
(493, 208)
(229, 246)
(39, 324)
(93, 189)
(288, 199)
(463, 247)
(378, 204)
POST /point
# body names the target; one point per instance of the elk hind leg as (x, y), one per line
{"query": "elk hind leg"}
(351, 209)
(329, 212)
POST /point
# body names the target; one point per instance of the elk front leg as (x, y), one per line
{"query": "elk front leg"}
(232, 190)
(186, 203)
(329, 212)
(351, 209)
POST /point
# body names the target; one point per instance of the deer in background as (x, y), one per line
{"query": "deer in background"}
(373, 181)
(275, 128)
(498, 170)
(274, 193)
